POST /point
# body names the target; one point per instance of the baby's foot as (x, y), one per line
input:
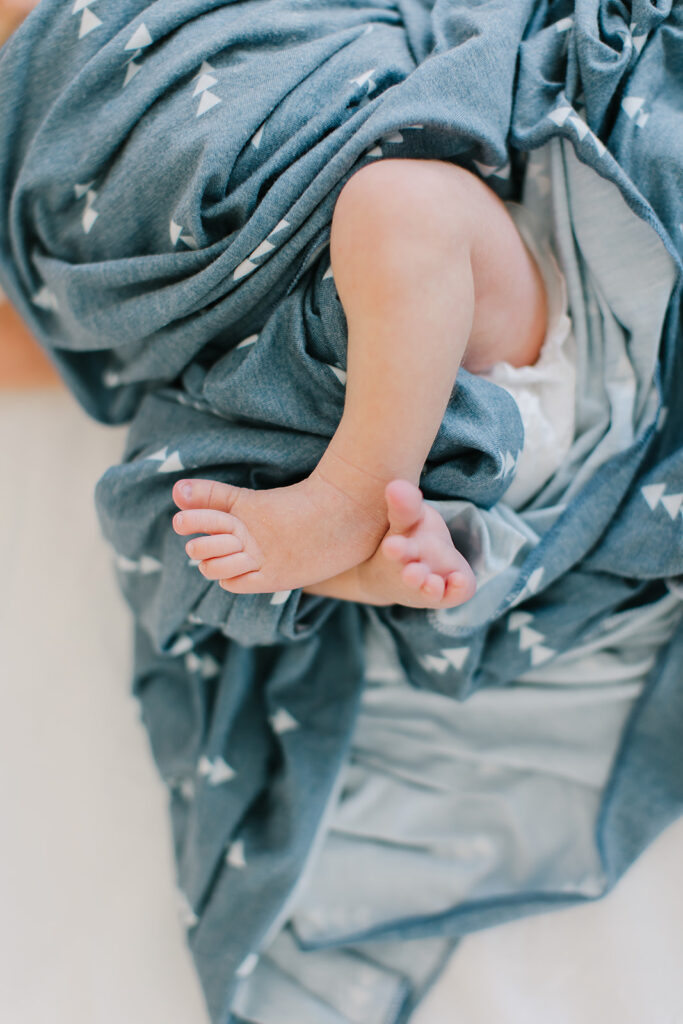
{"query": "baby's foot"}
(416, 564)
(286, 537)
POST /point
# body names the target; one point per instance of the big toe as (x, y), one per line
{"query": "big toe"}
(404, 505)
(205, 494)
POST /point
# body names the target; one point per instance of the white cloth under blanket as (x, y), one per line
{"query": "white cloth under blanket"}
(544, 392)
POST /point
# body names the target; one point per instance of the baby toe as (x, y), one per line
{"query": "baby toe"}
(414, 574)
(404, 505)
(434, 586)
(460, 587)
(214, 546)
(207, 520)
(227, 568)
(199, 493)
(399, 548)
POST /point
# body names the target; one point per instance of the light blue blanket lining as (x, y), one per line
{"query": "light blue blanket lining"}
(442, 802)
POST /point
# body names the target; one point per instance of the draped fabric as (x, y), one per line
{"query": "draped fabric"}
(167, 180)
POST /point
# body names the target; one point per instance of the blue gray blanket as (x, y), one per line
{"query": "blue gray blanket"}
(167, 179)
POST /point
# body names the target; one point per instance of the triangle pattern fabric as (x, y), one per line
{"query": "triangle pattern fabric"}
(89, 21)
(139, 39)
(207, 101)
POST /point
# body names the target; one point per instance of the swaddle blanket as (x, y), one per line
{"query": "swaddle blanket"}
(167, 181)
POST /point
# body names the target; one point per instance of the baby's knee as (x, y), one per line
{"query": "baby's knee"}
(395, 205)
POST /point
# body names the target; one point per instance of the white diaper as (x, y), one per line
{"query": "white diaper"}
(544, 392)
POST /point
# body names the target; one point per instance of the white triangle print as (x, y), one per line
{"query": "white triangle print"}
(235, 857)
(243, 269)
(81, 190)
(641, 118)
(375, 151)
(581, 126)
(502, 172)
(279, 227)
(172, 464)
(534, 581)
(89, 21)
(125, 564)
(221, 772)
(159, 456)
(139, 39)
(131, 72)
(247, 965)
(529, 637)
(205, 82)
(280, 596)
(484, 169)
(149, 564)
(204, 765)
(193, 662)
(339, 373)
(185, 911)
(262, 249)
(282, 721)
(393, 138)
(111, 379)
(88, 219)
(639, 42)
(328, 273)
(564, 24)
(187, 789)
(431, 663)
(80, 4)
(189, 241)
(560, 115)
(632, 104)
(207, 101)
(457, 656)
(672, 504)
(599, 145)
(510, 462)
(243, 344)
(256, 138)
(652, 493)
(518, 619)
(175, 231)
(45, 299)
(365, 77)
(182, 645)
(540, 654)
(210, 666)
(205, 69)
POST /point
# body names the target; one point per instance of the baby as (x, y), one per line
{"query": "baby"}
(432, 274)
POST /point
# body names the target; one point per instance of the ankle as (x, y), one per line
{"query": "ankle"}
(376, 463)
(363, 488)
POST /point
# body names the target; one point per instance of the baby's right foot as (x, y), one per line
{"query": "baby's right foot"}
(416, 564)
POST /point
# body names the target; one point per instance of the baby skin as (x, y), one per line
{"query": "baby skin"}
(432, 274)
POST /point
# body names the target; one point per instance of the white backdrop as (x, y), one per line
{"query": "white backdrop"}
(88, 929)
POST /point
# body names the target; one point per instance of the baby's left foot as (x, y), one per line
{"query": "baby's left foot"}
(286, 537)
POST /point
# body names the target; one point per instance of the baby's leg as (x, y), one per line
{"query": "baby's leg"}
(430, 268)
(425, 258)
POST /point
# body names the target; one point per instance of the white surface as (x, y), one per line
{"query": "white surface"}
(88, 930)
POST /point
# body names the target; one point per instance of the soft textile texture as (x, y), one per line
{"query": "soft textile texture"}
(166, 191)
(545, 393)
